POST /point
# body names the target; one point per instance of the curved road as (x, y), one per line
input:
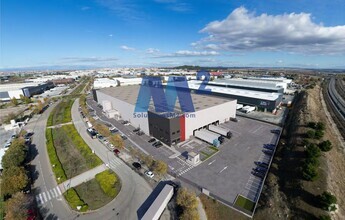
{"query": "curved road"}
(51, 203)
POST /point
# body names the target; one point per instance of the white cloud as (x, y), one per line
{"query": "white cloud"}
(188, 53)
(110, 35)
(243, 30)
(152, 51)
(88, 59)
(85, 8)
(124, 47)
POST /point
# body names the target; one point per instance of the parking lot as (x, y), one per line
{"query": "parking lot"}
(225, 174)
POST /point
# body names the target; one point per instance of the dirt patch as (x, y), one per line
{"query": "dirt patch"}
(286, 194)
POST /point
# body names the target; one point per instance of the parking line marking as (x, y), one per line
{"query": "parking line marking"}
(223, 169)
(58, 189)
(45, 197)
(211, 162)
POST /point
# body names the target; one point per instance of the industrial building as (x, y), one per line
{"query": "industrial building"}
(266, 101)
(9, 91)
(253, 85)
(168, 127)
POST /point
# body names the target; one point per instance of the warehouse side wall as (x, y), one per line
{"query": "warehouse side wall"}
(222, 112)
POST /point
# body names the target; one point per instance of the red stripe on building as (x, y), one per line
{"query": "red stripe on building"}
(183, 128)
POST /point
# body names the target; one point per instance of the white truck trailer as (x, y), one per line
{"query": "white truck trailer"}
(220, 130)
(215, 135)
(157, 207)
(203, 135)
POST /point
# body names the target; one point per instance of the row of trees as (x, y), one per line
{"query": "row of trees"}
(23, 99)
(187, 205)
(14, 179)
(157, 166)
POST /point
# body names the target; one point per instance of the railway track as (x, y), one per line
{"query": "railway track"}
(340, 87)
(335, 105)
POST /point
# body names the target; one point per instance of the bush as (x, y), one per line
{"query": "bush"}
(310, 134)
(327, 201)
(79, 143)
(15, 155)
(108, 182)
(325, 145)
(305, 142)
(74, 200)
(54, 159)
(313, 151)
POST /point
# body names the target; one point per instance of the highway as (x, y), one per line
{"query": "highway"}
(48, 195)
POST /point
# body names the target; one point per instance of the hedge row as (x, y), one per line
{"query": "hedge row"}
(74, 200)
(108, 182)
(54, 159)
(79, 143)
(61, 113)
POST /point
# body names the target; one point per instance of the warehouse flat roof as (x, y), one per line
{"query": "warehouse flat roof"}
(234, 92)
(15, 86)
(129, 94)
(247, 83)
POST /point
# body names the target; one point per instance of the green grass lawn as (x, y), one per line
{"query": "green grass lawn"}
(96, 193)
(208, 152)
(61, 113)
(245, 203)
(216, 210)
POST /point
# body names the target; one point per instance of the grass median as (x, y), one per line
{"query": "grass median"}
(61, 113)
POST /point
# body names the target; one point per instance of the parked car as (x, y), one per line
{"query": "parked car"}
(158, 145)
(136, 130)
(100, 137)
(8, 144)
(136, 165)
(268, 152)
(149, 174)
(125, 122)
(152, 140)
(269, 146)
(261, 164)
(140, 133)
(275, 131)
(113, 130)
(260, 169)
(123, 137)
(233, 119)
(258, 174)
(116, 152)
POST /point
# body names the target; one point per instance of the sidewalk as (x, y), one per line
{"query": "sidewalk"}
(81, 178)
(201, 210)
(59, 125)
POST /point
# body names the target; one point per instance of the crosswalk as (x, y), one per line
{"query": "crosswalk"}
(115, 163)
(185, 167)
(48, 195)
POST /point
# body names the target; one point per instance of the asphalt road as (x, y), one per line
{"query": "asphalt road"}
(134, 189)
(48, 195)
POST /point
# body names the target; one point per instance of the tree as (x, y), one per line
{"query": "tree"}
(14, 101)
(13, 180)
(320, 126)
(190, 214)
(312, 124)
(18, 206)
(147, 159)
(38, 107)
(310, 134)
(15, 155)
(9, 117)
(318, 134)
(160, 167)
(102, 129)
(309, 172)
(325, 217)
(313, 151)
(325, 145)
(117, 141)
(25, 99)
(186, 199)
(327, 201)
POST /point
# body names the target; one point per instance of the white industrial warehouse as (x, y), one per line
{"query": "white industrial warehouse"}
(170, 129)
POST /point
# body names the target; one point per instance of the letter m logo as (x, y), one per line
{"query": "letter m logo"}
(164, 101)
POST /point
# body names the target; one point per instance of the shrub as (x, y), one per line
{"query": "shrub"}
(74, 200)
(108, 181)
(325, 145)
(305, 142)
(327, 201)
(310, 134)
(54, 159)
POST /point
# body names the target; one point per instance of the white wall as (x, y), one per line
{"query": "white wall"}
(221, 112)
(15, 93)
(126, 111)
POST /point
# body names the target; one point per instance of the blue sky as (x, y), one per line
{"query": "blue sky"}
(111, 33)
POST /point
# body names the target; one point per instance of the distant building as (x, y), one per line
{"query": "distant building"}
(10, 91)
